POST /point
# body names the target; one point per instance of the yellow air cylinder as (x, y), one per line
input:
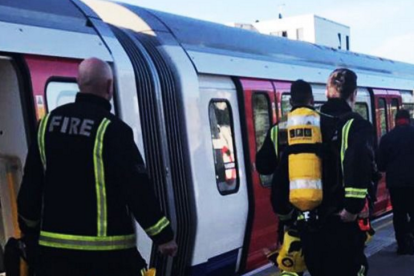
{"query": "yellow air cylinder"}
(305, 168)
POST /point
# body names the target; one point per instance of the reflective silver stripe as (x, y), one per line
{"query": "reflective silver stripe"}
(305, 184)
(41, 134)
(100, 179)
(303, 120)
(75, 242)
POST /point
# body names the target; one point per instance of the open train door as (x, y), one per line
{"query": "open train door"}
(29, 85)
(16, 126)
(260, 114)
(387, 103)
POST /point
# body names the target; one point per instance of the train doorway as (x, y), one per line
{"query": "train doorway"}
(13, 149)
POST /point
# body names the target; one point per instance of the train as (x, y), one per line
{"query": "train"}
(199, 97)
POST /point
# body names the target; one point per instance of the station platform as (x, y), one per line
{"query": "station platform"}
(381, 253)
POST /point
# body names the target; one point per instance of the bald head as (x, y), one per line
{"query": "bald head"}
(95, 77)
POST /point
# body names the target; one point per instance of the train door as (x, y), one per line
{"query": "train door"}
(19, 112)
(13, 146)
(382, 115)
(219, 179)
(260, 115)
(394, 101)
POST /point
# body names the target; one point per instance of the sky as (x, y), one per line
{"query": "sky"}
(382, 28)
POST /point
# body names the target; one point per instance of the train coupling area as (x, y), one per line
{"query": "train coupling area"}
(381, 252)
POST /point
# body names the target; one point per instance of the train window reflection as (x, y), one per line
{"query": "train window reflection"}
(261, 116)
(221, 125)
(60, 93)
(382, 117)
(362, 109)
(394, 109)
(262, 123)
(286, 107)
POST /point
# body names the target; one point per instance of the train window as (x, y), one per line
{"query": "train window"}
(286, 107)
(382, 114)
(262, 122)
(221, 125)
(394, 109)
(410, 108)
(362, 109)
(60, 93)
(261, 116)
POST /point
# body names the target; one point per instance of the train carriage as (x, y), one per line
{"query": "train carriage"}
(200, 98)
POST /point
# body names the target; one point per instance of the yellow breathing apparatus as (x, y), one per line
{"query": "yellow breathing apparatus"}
(291, 257)
(305, 168)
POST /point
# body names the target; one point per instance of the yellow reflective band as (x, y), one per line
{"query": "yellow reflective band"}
(274, 135)
(29, 223)
(355, 193)
(158, 227)
(356, 190)
(76, 242)
(344, 144)
(287, 273)
(100, 179)
(41, 134)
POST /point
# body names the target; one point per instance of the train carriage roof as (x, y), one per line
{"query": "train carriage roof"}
(56, 14)
(207, 37)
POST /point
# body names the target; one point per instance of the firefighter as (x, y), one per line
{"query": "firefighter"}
(274, 143)
(333, 243)
(268, 155)
(83, 179)
(395, 153)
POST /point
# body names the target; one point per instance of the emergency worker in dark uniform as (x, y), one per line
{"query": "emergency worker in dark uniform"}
(395, 156)
(267, 158)
(83, 181)
(333, 243)
(268, 155)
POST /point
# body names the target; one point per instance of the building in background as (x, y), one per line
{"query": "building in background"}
(310, 28)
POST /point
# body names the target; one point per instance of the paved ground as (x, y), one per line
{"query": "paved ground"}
(381, 252)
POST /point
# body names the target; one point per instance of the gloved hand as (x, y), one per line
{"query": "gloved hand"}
(30, 244)
(347, 216)
(170, 248)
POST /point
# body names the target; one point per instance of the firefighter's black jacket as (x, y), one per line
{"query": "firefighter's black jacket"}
(338, 191)
(395, 156)
(266, 158)
(65, 197)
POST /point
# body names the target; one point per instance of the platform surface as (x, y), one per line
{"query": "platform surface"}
(381, 253)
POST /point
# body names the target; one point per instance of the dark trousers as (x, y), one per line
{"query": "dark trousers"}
(402, 200)
(59, 262)
(335, 248)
